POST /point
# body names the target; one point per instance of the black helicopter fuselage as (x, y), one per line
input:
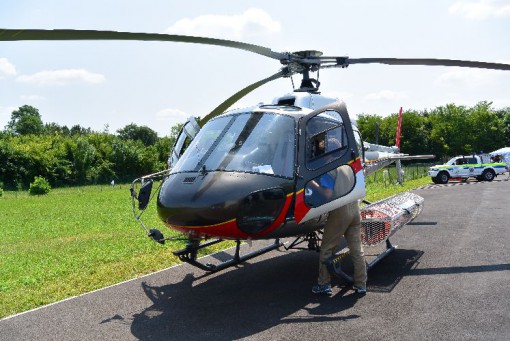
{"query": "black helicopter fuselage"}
(251, 174)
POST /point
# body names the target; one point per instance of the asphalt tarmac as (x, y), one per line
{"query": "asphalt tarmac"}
(449, 279)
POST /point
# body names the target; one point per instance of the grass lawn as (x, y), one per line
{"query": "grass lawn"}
(71, 241)
(75, 240)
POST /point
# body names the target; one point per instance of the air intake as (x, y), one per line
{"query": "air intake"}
(189, 179)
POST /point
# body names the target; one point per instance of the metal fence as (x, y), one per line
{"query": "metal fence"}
(388, 176)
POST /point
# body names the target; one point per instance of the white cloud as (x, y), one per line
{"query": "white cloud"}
(501, 103)
(62, 77)
(5, 114)
(341, 95)
(32, 98)
(171, 117)
(482, 9)
(6, 68)
(252, 22)
(467, 76)
(384, 95)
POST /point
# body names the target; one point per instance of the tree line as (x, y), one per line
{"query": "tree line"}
(77, 155)
(444, 131)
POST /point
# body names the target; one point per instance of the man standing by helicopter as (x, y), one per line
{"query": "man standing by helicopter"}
(343, 221)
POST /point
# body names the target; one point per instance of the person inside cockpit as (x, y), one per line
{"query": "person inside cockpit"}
(259, 159)
(262, 154)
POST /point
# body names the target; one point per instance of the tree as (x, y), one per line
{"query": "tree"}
(163, 148)
(415, 138)
(127, 158)
(486, 128)
(504, 114)
(367, 126)
(84, 155)
(24, 121)
(40, 186)
(450, 131)
(56, 129)
(142, 133)
(79, 130)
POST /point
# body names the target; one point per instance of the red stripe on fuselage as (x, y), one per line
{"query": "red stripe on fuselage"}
(229, 229)
(301, 208)
(356, 165)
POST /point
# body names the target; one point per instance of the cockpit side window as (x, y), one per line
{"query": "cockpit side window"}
(359, 144)
(186, 135)
(326, 139)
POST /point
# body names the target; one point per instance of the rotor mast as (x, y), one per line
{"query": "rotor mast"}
(304, 62)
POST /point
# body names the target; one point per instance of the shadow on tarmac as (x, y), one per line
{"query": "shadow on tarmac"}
(460, 269)
(385, 276)
(253, 298)
(239, 303)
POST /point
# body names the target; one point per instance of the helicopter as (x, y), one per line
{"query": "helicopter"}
(250, 174)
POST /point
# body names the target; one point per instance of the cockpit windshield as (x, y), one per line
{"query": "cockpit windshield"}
(255, 142)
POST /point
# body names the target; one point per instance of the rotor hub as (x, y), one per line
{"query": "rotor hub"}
(309, 54)
(304, 62)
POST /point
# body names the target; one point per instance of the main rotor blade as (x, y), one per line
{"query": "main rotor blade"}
(20, 34)
(345, 61)
(240, 94)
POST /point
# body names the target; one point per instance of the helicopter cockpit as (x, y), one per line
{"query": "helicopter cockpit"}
(261, 172)
(252, 142)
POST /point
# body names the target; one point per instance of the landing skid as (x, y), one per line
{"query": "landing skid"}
(334, 264)
(189, 254)
(312, 238)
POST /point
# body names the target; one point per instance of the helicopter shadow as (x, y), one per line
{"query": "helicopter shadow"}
(252, 298)
(386, 274)
(239, 303)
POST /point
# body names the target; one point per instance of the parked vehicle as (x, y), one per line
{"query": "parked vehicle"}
(465, 167)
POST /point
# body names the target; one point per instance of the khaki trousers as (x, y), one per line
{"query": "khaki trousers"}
(343, 221)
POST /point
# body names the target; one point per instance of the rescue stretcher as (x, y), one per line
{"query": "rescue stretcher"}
(379, 221)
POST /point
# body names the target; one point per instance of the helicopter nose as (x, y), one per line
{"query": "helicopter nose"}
(231, 205)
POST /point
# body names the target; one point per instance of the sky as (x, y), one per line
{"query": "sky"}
(110, 84)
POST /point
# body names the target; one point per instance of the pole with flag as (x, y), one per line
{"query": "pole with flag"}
(400, 171)
(399, 129)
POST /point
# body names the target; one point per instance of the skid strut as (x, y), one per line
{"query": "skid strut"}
(189, 254)
(312, 239)
(334, 264)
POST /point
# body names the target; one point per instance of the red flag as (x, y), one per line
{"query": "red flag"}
(399, 129)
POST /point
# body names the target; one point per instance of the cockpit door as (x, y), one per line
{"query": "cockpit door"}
(329, 171)
(186, 135)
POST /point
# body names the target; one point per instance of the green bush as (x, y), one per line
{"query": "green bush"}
(1, 191)
(40, 186)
